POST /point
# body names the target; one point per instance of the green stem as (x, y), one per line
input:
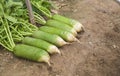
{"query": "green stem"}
(16, 31)
(6, 47)
(7, 30)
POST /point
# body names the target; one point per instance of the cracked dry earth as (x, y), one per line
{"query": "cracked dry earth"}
(97, 54)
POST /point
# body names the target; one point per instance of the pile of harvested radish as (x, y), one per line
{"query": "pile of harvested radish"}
(32, 42)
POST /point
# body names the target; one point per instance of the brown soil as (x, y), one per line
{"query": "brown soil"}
(97, 54)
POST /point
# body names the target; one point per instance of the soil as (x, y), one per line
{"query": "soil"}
(97, 54)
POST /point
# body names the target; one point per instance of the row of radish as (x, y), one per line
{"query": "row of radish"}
(26, 40)
(55, 33)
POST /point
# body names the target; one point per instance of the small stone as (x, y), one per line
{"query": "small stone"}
(54, 11)
(90, 43)
(114, 46)
(75, 10)
(0, 54)
(57, 75)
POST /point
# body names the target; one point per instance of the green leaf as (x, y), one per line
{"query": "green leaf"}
(10, 18)
(1, 10)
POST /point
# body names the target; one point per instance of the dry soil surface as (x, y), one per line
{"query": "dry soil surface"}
(97, 54)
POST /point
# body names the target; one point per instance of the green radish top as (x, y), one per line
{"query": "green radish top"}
(38, 42)
(41, 44)
(66, 20)
(64, 34)
(60, 25)
(52, 38)
(73, 23)
(30, 52)
(55, 22)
